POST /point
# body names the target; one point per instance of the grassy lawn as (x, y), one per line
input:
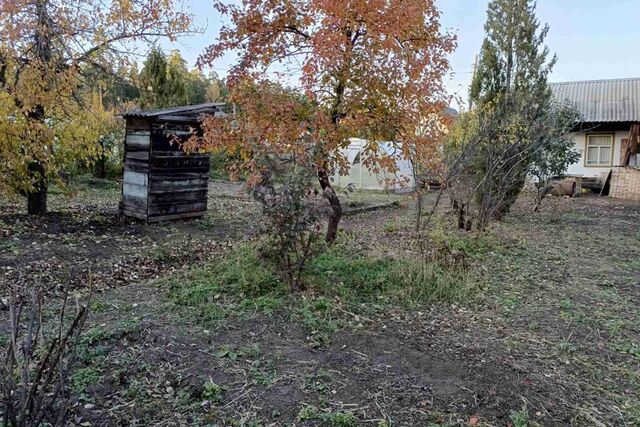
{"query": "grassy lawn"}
(535, 322)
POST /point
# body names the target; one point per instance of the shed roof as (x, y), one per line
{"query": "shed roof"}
(182, 111)
(616, 100)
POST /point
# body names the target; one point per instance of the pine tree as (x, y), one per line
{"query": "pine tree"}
(513, 60)
(166, 81)
(177, 80)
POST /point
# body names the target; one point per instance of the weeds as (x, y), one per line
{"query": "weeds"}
(317, 381)
(520, 418)
(206, 223)
(628, 347)
(360, 279)
(84, 378)
(263, 373)
(327, 419)
(340, 282)
(213, 392)
(320, 317)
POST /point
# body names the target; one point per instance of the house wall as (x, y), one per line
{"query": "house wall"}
(579, 168)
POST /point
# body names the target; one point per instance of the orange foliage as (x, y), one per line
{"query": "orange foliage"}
(365, 68)
(373, 68)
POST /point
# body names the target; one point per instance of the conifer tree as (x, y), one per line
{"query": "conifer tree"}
(513, 104)
(153, 81)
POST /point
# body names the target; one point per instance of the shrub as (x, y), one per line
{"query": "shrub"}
(292, 209)
(35, 367)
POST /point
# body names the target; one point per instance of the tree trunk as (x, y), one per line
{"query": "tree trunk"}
(461, 221)
(334, 202)
(103, 160)
(37, 199)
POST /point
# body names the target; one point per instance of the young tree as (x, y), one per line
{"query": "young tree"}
(369, 68)
(512, 103)
(46, 46)
(558, 153)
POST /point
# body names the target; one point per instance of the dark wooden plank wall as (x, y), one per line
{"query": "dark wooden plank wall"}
(178, 181)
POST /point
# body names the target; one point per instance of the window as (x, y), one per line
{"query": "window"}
(599, 150)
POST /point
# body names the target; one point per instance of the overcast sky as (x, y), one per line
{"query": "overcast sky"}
(594, 39)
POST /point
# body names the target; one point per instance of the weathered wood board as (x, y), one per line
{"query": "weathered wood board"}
(161, 181)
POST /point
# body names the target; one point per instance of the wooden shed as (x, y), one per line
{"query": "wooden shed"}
(160, 180)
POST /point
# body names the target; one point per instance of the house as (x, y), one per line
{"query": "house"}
(607, 136)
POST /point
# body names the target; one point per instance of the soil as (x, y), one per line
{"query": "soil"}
(553, 335)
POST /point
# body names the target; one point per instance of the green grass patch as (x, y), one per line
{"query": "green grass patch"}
(10, 246)
(89, 182)
(357, 278)
(327, 419)
(238, 283)
(92, 354)
(84, 378)
(341, 282)
(520, 418)
(4, 339)
(213, 392)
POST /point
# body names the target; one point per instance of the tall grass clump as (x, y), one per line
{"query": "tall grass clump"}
(359, 278)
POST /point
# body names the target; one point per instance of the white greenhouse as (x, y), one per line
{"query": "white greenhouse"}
(360, 177)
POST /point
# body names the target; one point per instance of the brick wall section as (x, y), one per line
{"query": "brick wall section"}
(625, 183)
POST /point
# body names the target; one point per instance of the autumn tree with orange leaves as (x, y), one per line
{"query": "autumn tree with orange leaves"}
(361, 68)
(47, 50)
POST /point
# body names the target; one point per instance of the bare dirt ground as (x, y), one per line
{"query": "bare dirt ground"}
(551, 335)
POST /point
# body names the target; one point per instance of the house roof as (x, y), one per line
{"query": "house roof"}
(616, 100)
(182, 111)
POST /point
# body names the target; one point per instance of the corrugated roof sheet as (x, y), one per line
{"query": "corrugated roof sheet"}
(602, 100)
(210, 107)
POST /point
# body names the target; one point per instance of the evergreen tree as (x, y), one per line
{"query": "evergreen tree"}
(154, 90)
(513, 60)
(513, 102)
(177, 80)
(166, 81)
